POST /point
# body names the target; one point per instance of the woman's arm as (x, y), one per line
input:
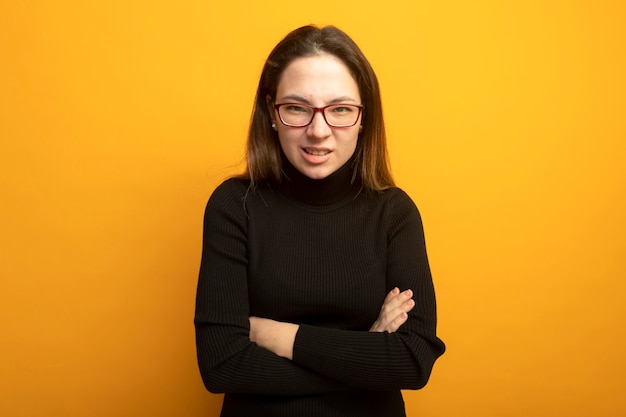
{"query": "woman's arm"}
(279, 337)
(228, 360)
(374, 360)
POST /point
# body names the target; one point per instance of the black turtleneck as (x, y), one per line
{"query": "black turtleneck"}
(323, 254)
(337, 186)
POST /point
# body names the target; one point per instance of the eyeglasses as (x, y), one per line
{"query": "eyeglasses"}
(336, 115)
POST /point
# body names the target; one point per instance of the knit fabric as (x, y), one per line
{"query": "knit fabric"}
(322, 254)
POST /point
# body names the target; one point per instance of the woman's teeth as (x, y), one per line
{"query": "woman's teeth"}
(316, 153)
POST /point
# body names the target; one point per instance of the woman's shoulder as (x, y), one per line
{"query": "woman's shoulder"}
(231, 190)
(396, 195)
(232, 184)
(397, 200)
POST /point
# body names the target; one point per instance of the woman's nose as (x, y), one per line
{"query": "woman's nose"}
(318, 127)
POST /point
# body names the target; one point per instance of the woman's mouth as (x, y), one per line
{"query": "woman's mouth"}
(316, 156)
(316, 152)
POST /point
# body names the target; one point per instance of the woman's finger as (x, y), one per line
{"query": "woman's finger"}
(393, 312)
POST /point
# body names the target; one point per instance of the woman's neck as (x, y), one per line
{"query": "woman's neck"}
(334, 188)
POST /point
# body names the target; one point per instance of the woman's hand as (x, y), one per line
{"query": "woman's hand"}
(393, 313)
(279, 337)
(275, 336)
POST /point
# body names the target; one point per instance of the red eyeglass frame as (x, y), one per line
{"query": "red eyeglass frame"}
(277, 106)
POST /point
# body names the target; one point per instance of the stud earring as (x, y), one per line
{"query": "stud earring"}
(274, 126)
(360, 128)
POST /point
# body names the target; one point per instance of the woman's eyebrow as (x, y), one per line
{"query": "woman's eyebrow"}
(342, 99)
(300, 99)
(296, 98)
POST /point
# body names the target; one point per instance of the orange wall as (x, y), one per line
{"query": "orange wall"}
(506, 123)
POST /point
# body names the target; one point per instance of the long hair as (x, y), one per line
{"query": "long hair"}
(263, 151)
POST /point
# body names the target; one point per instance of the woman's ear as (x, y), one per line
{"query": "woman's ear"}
(270, 106)
(270, 110)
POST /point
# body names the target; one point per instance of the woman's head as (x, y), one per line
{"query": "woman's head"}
(333, 50)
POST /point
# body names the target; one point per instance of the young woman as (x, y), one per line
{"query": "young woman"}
(315, 296)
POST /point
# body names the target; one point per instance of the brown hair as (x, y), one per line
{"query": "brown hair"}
(263, 151)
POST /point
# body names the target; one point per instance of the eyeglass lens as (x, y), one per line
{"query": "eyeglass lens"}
(336, 115)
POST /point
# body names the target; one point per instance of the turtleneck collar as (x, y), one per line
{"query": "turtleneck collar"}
(343, 183)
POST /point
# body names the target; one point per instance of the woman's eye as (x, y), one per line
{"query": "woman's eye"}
(297, 109)
(342, 109)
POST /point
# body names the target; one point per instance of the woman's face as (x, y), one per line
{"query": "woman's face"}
(317, 150)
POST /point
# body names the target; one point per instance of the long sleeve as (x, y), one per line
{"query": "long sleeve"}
(321, 254)
(228, 361)
(382, 361)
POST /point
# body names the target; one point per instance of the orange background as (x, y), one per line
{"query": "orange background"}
(506, 125)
